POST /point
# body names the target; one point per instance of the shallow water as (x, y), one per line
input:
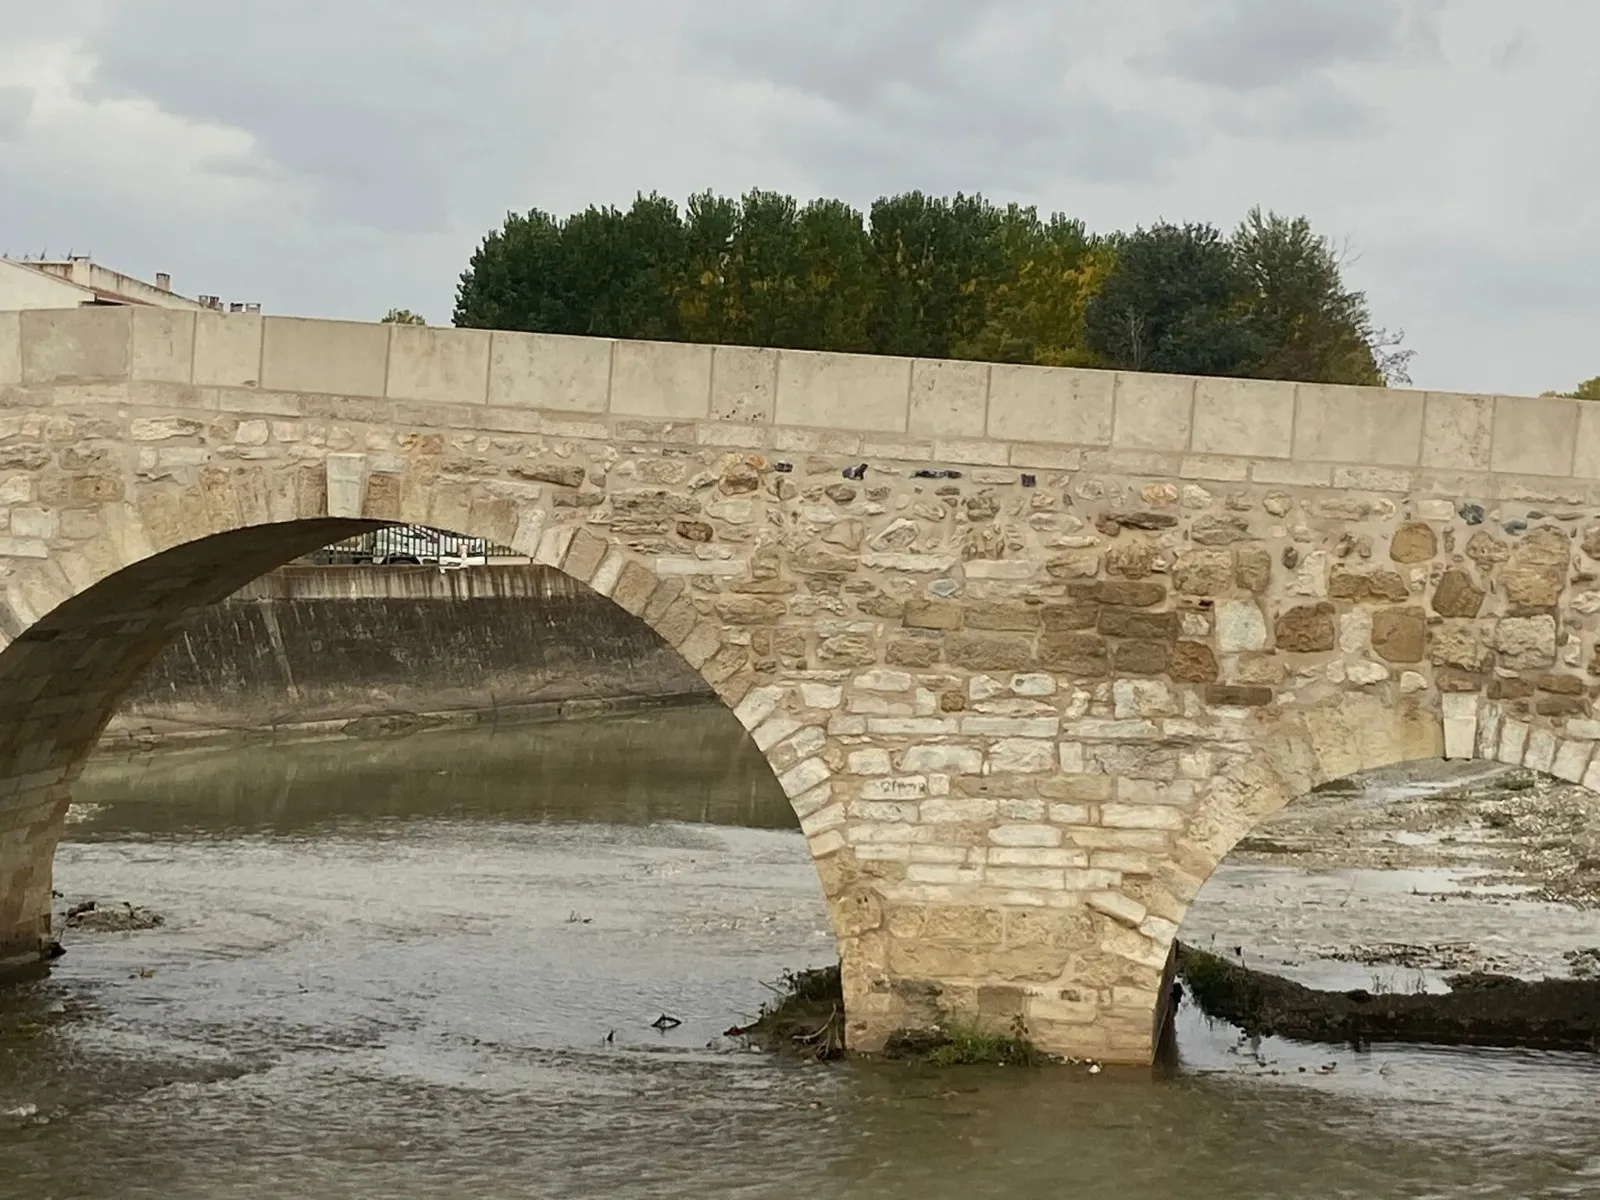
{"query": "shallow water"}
(389, 969)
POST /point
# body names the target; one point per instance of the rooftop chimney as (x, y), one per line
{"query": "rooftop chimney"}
(163, 281)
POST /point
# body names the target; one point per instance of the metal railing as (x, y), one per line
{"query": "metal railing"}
(410, 544)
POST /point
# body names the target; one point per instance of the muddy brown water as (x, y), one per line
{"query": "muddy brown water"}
(388, 969)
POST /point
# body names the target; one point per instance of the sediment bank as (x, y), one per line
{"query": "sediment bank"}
(315, 652)
(1481, 1009)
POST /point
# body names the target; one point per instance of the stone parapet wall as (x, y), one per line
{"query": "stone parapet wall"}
(796, 401)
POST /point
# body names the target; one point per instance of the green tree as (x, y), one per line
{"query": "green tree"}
(403, 316)
(514, 279)
(930, 256)
(1307, 324)
(1175, 302)
(1589, 389)
(1034, 304)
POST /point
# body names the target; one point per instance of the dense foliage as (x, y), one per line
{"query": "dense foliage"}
(939, 278)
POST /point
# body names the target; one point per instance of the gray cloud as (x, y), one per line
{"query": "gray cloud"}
(982, 97)
(16, 106)
(1273, 43)
(383, 107)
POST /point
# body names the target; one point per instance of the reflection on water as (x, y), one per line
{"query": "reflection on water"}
(391, 970)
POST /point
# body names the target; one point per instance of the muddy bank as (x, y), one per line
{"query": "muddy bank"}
(1509, 827)
(1480, 1009)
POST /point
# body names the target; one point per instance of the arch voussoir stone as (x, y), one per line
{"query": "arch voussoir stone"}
(1028, 649)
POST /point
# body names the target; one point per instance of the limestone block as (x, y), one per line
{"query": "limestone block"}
(661, 379)
(744, 384)
(1152, 412)
(1203, 573)
(1586, 455)
(343, 358)
(1513, 742)
(163, 345)
(441, 366)
(1364, 425)
(1240, 626)
(549, 371)
(1243, 417)
(1456, 431)
(75, 345)
(948, 399)
(1051, 404)
(1534, 435)
(1541, 752)
(843, 391)
(10, 349)
(1460, 724)
(347, 475)
(1572, 760)
(1021, 756)
(1526, 642)
(227, 349)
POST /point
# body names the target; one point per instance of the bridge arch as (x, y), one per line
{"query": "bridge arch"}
(85, 629)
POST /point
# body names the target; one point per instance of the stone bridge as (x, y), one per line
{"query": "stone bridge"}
(1030, 649)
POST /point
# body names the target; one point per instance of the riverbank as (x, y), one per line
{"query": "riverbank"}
(309, 653)
(1480, 1009)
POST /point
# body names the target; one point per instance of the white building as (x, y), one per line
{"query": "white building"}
(78, 280)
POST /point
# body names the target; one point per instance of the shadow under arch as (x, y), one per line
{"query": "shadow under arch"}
(63, 675)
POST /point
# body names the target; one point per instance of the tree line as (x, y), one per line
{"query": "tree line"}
(937, 277)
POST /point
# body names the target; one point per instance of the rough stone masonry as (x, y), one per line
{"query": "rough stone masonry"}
(1029, 648)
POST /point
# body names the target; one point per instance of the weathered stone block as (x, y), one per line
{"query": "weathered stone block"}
(1125, 595)
(1132, 560)
(1193, 662)
(1134, 623)
(913, 651)
(1219, 531)
(1203, 573)
(1240, 626)
(1307, 629)
(1399, 635)
(1000, 615)
(1413, 542)
(988, 651)
(1078, 655)
(1060, 618)
(1141, 658)
(1456, 595)
(1239, 695)
(1537, 573)
(1253, 568)
(1526, 642)
(933, 614)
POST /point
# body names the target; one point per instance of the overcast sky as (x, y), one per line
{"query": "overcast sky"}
(336, 157)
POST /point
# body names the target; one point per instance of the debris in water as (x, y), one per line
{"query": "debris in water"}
(664, 1023)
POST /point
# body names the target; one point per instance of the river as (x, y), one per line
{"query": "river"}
(389, 969)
